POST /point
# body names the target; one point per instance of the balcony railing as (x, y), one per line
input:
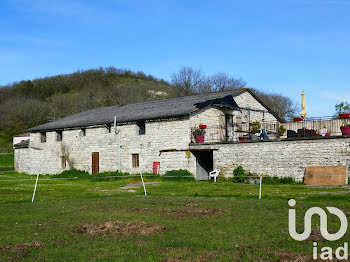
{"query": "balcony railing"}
(312, 127)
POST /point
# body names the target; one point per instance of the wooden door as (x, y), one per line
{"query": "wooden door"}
(95, 163)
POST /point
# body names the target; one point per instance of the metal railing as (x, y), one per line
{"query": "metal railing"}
(311, 127)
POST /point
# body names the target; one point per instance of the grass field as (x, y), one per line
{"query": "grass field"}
(100, 220)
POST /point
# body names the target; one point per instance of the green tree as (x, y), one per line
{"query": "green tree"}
(342, 107)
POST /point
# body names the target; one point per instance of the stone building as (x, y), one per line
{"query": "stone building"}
(144, 135)
(160, 135)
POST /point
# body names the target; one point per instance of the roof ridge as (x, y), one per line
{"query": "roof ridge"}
(154, 109)
(188, 96)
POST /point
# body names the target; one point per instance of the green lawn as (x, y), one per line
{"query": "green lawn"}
(203, 221)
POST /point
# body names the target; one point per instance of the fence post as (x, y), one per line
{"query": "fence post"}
(143, 183)
(36, 182)
(260, 187)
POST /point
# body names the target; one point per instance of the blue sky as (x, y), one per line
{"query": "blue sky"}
(282, 46)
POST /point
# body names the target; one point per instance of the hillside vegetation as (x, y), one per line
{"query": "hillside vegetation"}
(29, 103)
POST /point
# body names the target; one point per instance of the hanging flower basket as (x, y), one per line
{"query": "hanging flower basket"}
(345, 115)
(297, 119)
(203, 126)
(345, 130)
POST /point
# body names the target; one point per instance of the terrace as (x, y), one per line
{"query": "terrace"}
(316, 127)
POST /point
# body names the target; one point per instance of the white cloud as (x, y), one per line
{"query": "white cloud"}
(337, 97)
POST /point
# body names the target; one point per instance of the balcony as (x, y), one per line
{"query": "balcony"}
(238, 132)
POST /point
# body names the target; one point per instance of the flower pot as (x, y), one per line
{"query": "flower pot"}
(200, 139)
(345, 115)
(345, 130)
(297, 119)
(243, 138)
(202, 126)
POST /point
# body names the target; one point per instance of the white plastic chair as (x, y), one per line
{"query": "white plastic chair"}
(215, 173)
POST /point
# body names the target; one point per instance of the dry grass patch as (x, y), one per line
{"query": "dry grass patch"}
(180, 213)
(289, 256)
(121, 228)
(22, 248)
(199, 212)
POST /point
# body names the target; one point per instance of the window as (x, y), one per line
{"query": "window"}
(43, 137)
(135, 160)
(63, 162)
(142, 127)
(83, 132)
(59, 135)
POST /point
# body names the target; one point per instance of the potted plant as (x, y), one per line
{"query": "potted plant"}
(254, 128)
(281, 130)
(345, 129)
(199, 133)
(297, 119)
(344, 115)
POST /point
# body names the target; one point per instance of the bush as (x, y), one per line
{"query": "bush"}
(178, 175)
(281, 130)
(106, 176)
(72, 174)
(239, 175)
(255, 127)
(274, 180)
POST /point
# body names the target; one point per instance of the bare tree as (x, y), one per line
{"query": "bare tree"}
(222, 81)
(188, 80)
(283, 106)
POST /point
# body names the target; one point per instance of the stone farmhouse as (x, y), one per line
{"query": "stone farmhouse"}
(145, 133)
(158, 136)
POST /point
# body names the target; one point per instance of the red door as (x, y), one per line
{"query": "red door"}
(95, 163)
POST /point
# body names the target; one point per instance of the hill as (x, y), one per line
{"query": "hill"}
(29, 103)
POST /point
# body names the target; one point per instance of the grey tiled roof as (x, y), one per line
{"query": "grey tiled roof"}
(133, 112)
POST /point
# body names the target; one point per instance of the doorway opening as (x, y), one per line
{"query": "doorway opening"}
(204, 163)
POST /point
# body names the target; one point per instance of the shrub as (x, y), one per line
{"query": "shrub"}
(72, 174)
(178, 175)
(106, 176)
(274, 180)
(281, 130)
(239, 175)
(255, 127)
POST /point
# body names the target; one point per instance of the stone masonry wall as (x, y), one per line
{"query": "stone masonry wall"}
(281, 158)
(160, 135)
(208, 116)
(165, 141)
(246, 100)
